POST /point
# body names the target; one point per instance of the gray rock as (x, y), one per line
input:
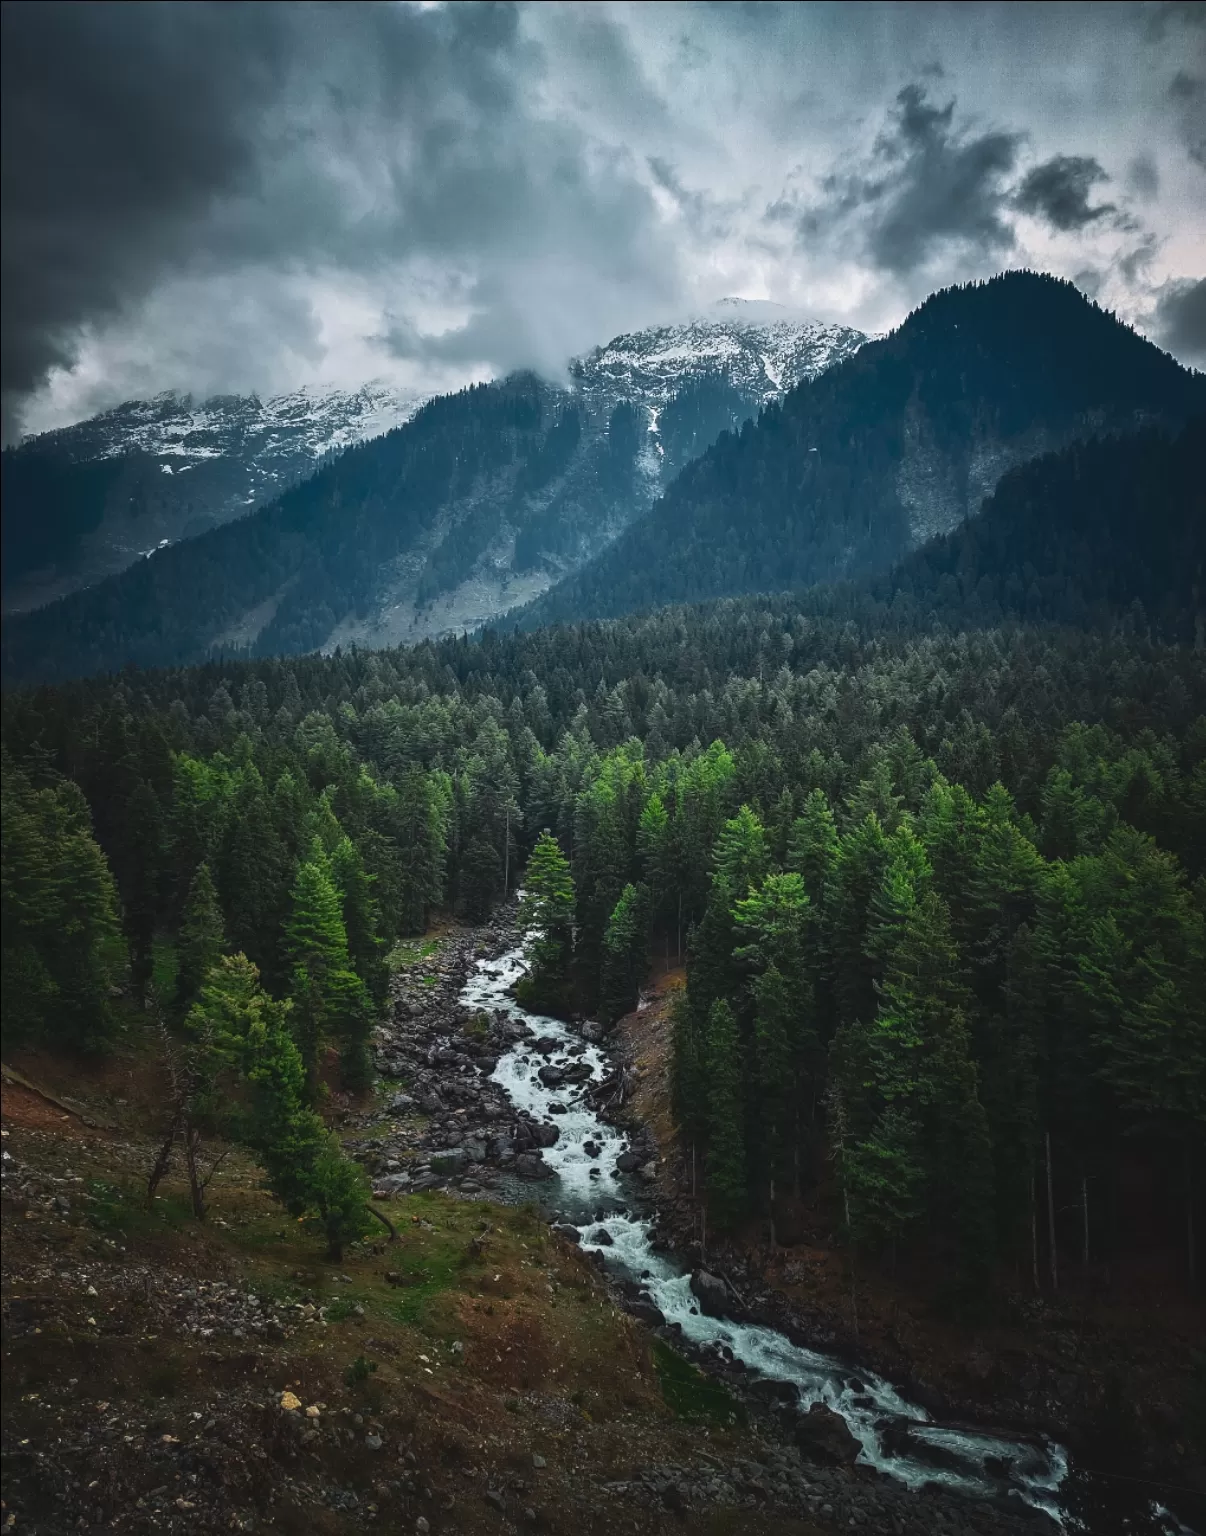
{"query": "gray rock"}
(823, 1435)
(400, 1104)
(568, 1232)
(711, 1292)
(451, 1160)
(544, 1134)
(592, 1031)
(530, 1165)
(628, 1162)
(475, 1150)
(392, 1184)
(603, 1237)
(551, 1077)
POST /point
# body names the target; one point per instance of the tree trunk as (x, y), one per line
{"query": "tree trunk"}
(1051, 1217)
(1190, 1235)
(1084, 1213)
(771, 1223)
(1034, 1262)
(385, 1222)
(192, 1144)
(164, 1160)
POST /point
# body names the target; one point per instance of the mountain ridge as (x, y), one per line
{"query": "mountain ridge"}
(363, 553)
(898, 443)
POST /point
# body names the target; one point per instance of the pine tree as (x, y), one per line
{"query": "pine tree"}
(241, 1027)
(812, 847)
(329, 998)
(546, 915)
(142, 869)
(418, 824)
(741, 857)
(62, 951)
(726, 1118)
(361, 916)
(625, 953)
(201, 940)
(481, 878)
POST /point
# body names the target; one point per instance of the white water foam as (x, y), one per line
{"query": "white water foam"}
(595, 1194)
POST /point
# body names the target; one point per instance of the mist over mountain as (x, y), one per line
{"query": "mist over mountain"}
(85, 501)
(479, 503)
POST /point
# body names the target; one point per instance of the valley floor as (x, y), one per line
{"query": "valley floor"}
(477, 1375)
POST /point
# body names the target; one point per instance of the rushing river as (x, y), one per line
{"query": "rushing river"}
(598, 1200)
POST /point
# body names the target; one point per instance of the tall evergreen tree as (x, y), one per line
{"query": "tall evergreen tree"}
(546, 915)
(201, 940)
(726, 1118)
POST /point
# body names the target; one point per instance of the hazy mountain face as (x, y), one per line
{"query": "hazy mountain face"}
(478, 505)
(890, 447)
(86, 501)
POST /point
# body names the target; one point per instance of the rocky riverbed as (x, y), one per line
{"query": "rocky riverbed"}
(453, 1124)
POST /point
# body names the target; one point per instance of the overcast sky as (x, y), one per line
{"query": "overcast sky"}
(245, 197)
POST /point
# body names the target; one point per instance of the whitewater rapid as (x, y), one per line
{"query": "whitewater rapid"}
(598, 1199)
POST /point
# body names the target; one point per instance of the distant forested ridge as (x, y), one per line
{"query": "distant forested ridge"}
(897, 443)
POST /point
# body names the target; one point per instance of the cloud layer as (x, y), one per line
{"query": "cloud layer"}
(218, 197)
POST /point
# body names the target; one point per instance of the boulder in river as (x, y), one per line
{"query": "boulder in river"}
(543, 1134)
(530, 1165)
(451, 1160)
(822, 1435)
(568, 1232)
(711, 1292)
(628, 1162)
(551, 1077)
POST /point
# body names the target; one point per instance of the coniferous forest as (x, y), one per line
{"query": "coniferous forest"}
(939, 890)
(602, 769)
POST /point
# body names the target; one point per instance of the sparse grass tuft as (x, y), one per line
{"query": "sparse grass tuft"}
(690, 1394)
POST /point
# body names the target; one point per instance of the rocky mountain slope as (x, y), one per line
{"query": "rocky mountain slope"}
(890, 447)
(477, 505)
(88, 500)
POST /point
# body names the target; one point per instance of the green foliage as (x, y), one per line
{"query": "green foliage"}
(726, 1161)
(625, 953)
(546, 916)
(690, 1394)
(241, 1032)
(329, 999)
(62, 958)
(202, 937)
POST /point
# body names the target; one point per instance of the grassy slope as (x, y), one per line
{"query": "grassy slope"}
(138, 1396)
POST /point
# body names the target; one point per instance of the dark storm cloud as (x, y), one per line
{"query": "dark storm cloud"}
(143, 142)
(927, 185)
(261, 196)
(119, 126)
(1059, 191)
(1180, 320)
(1189, 93)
